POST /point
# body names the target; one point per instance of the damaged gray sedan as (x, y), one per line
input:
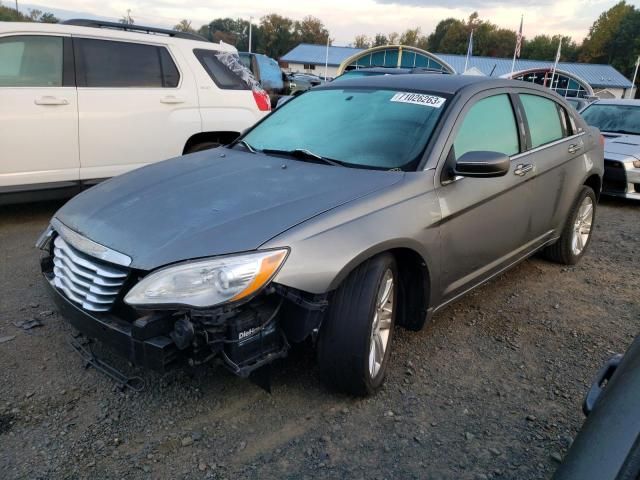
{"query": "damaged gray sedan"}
(397, 196)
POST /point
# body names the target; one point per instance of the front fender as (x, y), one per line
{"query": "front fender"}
(325, 249)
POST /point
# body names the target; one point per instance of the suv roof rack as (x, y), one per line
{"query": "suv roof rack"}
(83, 22)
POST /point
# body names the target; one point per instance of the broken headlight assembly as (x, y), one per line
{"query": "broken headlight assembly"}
(207, 283)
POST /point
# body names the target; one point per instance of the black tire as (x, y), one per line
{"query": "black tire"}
(199, 147)
(561, 251)
(344, 341)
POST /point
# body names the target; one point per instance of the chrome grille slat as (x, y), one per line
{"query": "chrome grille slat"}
(86, 261)
(95, 289)
(85, 280)
(64, 261)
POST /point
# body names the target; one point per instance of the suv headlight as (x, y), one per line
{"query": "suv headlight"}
(205, 283)
(636, 164)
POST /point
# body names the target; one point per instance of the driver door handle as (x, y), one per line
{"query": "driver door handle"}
(50, 100)
(522, 169)
(171, 100)
(574, 148)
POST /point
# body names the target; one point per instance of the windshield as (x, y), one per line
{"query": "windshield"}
(380, 129)
(613, 118)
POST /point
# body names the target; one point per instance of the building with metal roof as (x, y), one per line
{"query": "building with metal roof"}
(605, 80)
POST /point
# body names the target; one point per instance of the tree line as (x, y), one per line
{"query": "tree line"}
(12, 15)
(614, 38)
(272, 34)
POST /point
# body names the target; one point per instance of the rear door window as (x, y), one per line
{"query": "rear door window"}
(543, 117)
(489, 125)
(106, 63)
(226, 70)
(31, 61)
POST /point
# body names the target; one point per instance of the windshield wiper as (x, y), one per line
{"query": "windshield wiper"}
(245, 145)
(303, 154)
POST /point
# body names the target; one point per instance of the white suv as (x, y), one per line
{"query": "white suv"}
(84, 101)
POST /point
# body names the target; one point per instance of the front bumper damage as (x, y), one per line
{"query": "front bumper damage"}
(242, 337)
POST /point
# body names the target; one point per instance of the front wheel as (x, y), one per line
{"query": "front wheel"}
(355, 339)
(576, 235)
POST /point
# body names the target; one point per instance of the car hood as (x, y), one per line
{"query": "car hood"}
(211, 203)
(620, 147)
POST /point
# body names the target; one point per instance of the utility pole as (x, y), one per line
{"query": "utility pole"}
(633, 82)
(250, 25)
(17, 7)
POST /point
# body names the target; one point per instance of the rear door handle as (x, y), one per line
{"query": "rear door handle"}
(574, 148)
(49, 100)
(523, 169)
(171, 100)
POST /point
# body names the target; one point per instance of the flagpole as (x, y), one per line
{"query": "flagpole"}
(469, 51)
(635, 74)
(518, 46)
(326, 59)
(555, 64)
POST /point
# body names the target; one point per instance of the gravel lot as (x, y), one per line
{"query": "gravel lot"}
(491, 389)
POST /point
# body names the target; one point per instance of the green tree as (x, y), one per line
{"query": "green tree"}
(232, 31)
(277, 35)
(410, 37)
(599, 45)
(435, 40)
(379, 40)
(544, 47)
(362, 41)
(184, 26)
(311, 30)
(48, 18)
(11, 15)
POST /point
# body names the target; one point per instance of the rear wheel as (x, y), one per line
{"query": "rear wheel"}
(576, 235)
(355, 339)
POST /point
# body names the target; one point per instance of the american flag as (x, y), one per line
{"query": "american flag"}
(519, 39)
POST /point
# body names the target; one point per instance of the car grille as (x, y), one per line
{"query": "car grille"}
(92, 284)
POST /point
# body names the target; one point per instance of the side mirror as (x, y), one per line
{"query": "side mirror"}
(482, 164)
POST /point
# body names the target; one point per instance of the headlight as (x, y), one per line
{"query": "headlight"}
(205, 283)
(636, 164)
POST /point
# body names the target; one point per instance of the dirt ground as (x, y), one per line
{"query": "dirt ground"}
(491, 389)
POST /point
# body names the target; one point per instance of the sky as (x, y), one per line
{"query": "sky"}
(346, 19)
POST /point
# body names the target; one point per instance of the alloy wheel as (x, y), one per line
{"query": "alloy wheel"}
(381, 323)
(582, 226)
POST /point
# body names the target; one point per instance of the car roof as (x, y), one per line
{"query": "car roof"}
(108, 34)
(618, 101)
(450, 84)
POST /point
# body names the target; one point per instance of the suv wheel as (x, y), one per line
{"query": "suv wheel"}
(355, 339)
(576, 236)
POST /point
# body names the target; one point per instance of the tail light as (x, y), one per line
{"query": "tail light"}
(602, 140)
(262, 100)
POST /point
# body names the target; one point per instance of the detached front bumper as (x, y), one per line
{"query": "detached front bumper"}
(142, 342)
(621, 179)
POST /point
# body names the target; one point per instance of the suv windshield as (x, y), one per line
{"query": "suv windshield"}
(613, 118)
(378, 129)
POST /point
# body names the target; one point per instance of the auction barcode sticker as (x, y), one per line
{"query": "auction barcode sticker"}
(419, 99)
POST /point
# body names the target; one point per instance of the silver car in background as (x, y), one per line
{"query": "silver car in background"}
(619, 122)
